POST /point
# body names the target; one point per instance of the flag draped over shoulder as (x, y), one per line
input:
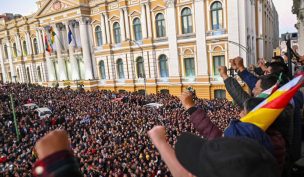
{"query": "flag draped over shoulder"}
(266, 112)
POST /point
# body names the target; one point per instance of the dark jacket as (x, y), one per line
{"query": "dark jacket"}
(298, 116)
(236, 91)
(59, 164)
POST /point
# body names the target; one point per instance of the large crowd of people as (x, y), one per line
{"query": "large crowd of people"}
(108, 135)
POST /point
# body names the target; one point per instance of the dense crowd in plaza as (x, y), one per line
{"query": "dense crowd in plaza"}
(108, 135)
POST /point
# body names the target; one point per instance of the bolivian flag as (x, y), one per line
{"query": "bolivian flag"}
(266, 112)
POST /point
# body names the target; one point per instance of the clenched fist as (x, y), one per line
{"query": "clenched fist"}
(223, 72)
(187, 100)
(157, 135)
(51, 143)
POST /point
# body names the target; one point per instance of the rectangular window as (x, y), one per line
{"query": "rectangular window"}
(218, 61)
(189, 67)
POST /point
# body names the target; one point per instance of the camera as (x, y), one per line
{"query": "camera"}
(190, 89)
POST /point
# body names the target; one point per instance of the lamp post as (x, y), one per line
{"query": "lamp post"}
(142, 56)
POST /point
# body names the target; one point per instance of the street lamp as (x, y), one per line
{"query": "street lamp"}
(142, 56)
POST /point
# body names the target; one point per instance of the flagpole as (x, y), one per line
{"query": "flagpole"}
(14, 116)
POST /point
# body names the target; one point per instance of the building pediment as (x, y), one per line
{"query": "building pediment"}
(158, 8)
(134, 13)
(55, 6)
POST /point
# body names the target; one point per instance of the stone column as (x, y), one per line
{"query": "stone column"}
(73, 60)
(173, 60)
(50, 67)
(260, 29)
(38, 41)
(62, 72)
(122, 24)
(103, 29)
(149, 21)
(2, 64)
(143, 21)
(107, 28)
(127, 24)
(85, 48)
(10, 57)
(29, 44)
(18, 45)
(202, 63)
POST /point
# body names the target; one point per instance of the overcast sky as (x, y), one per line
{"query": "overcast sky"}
(287, 20)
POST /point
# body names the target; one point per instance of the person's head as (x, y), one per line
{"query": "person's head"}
(277, 59)
(250, 104)
(264, 83)
(277, 68)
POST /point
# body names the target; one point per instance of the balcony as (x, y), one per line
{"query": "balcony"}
(162, 39)
(186, 36)
(216, 32)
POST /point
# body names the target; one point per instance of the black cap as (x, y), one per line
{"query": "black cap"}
(225, 157)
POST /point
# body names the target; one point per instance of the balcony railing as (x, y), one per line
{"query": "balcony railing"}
(216, 32)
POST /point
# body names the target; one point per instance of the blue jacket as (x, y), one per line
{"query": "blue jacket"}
(248, 78)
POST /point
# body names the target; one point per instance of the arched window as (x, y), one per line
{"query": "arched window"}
(140, 67)
(189, 67)
(98, 36)
(160, 25)
(5, 51)
(35, 46)
(163, 66)
(24, 48)
(186, 21)
(217, 15)
(164, 91)
(120, 69)
(137, 29)
(102, 70)
(39, 74)
(221, 94)
(15, 49)
(116, 29)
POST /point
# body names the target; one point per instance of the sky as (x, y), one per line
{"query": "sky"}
(287, 20)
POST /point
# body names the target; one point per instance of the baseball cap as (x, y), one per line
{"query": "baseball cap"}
(224, 157)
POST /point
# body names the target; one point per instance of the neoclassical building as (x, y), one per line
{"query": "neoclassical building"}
(133, 45)
(298, 9)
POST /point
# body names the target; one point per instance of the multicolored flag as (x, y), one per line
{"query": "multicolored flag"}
(48, 47)
(271, 90)
(266, 112)
(52, 33)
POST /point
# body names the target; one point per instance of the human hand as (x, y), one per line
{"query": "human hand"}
(239, 64)
(157, 135)
(51, 143)
(187, 99)
(232, 63)
(223, 72)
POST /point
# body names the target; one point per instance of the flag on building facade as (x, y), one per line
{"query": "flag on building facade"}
(70, 36)
(266, 112)
(52, 33)
(48, 46)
